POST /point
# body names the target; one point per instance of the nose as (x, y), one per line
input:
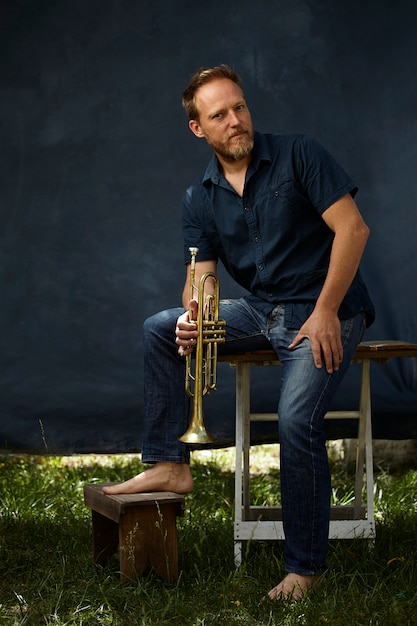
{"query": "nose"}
(234, 119)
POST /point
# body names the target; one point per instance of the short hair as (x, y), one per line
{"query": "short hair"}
(202, 76)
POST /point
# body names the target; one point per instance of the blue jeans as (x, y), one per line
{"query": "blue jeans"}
(305, 396)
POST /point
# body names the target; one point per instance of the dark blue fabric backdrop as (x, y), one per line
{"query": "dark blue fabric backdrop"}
(95, 155)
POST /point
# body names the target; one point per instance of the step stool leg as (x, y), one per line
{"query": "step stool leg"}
(148, 536)
(242, 444)
(238, 553)
(105, 538)
(164, 556)
(369, 462)
(133, 543)
(361, 439)
(364, 458)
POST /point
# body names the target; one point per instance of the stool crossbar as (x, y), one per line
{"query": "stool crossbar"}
(264, 523)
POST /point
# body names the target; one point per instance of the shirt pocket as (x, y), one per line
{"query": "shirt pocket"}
(280, 208)
(283, 190)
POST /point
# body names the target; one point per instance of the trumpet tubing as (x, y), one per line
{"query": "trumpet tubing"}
(211, 332)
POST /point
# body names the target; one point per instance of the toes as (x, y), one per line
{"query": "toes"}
(293, 587)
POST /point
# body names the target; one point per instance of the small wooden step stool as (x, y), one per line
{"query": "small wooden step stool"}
(141, 526)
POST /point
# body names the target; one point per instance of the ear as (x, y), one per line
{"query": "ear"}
(195, 128)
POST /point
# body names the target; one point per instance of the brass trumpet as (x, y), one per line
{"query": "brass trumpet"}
(211, 331)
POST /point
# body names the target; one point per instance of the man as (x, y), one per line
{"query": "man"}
(278, 211)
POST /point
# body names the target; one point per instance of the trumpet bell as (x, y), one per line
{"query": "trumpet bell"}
(197, 433)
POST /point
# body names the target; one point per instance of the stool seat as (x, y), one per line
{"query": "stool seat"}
(263, 523)
(141, 527)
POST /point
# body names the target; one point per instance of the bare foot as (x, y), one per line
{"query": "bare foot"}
(294, 587)
(161, 477)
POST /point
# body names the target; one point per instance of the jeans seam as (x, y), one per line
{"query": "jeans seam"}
(347, 334)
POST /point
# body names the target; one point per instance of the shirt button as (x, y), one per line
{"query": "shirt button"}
(256, 239)
(261, 266)
(246, 209)
(270, 295)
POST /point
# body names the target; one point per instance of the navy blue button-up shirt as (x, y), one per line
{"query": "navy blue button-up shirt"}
(273, 240)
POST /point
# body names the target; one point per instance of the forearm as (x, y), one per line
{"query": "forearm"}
(201, 268)
(345, 257)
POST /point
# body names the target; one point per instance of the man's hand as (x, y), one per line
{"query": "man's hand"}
(186, 330)
(324, 332)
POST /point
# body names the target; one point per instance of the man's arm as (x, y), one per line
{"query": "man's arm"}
(201, 267)
(323, 326)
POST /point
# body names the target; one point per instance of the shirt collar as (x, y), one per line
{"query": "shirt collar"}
(261, 152)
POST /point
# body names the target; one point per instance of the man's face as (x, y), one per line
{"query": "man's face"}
(225, 121)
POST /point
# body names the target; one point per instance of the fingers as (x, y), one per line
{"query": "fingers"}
(329, 353)
(193, 309)
(332, 355)
(186, 330)
(315, 348)
(325, 350)
(185, 350)
(186, 338)
(297, 340)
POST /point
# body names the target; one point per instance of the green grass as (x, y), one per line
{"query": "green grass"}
(47, 576)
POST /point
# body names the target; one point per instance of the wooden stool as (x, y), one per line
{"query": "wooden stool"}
(264, 523)
(141, 525)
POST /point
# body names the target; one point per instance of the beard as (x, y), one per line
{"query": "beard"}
(240, 148)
